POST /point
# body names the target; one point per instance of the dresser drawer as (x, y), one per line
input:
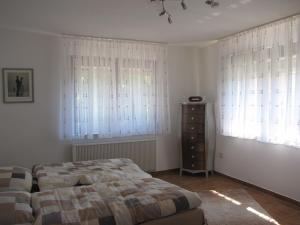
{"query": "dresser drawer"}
(193, 138)
(193, 164)
(188, 147)
(193, 128)
(194, 109)
(194, 155)
(193, 118)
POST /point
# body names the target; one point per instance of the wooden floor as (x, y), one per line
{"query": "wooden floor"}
(283, 211)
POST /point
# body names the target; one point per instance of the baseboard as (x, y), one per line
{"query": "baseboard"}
(261, 189)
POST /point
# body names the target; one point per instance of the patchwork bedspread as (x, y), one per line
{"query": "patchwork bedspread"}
(120, 202)
(15, 208)
(51, 176)
(15, 178)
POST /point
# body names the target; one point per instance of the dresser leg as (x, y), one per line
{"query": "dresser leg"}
(180, 172)
(206, 174)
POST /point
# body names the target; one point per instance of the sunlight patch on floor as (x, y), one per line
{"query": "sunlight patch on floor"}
(263, 216)
(226, 197)
(257, 213)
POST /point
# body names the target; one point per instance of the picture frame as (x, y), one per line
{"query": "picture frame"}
(18, 85)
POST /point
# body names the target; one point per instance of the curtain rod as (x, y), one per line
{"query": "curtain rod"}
(112, 39)
(259, 26)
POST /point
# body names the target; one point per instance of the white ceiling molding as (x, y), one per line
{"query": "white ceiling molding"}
(198, 44)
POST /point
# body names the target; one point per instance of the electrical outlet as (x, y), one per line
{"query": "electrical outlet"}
(221, 155)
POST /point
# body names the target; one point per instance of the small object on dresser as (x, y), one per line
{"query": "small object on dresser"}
(195, 99)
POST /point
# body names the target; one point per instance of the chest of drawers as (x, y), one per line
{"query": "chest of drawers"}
(194, 152)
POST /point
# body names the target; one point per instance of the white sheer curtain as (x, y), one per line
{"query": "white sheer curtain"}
(114, 88)
(259, 84)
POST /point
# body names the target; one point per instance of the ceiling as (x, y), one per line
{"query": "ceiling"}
(139, 20)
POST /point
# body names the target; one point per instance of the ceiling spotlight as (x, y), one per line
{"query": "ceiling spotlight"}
(215, 4)
(183, 5)
(163, 12)
(170, 19)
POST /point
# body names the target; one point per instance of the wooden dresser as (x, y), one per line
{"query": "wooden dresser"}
(195, 152)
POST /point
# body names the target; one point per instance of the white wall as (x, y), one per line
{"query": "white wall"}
(183, 75)
(273, 167)
(29, 133)
(208, 57)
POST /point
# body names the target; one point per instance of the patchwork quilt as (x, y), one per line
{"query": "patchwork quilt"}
(15, 208)
(119, 202)
(15, 179)
(51, 176)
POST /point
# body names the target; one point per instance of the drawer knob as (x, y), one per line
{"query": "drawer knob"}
(193, 118)
(193, 109)
(193, 156)
(193, 128)
(192, 147)
(192, 138)
(193, 165)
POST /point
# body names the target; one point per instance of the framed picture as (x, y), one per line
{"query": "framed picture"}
(17, 85)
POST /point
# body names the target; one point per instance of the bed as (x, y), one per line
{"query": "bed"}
(107, 192)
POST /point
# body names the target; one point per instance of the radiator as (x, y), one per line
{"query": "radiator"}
(143, 153)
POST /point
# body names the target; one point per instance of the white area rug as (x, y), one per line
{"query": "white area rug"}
(233, 207)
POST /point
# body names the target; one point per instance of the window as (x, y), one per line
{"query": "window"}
(259, 85)
(114, 89)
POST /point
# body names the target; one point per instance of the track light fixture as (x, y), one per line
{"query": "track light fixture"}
(164, 11)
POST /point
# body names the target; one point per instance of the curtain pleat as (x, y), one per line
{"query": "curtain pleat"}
(114, 88)
(259, 84)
